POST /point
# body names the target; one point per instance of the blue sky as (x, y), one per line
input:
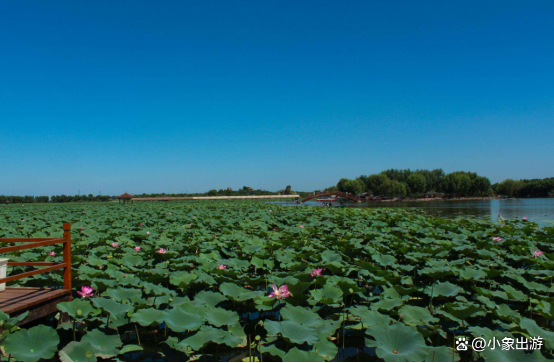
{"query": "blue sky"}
(172, 96)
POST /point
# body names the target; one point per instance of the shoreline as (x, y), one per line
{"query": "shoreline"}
(418, 200)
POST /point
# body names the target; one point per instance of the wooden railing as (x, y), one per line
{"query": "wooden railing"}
(50, 266)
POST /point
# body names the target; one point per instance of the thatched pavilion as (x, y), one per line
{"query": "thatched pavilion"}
(126, 198)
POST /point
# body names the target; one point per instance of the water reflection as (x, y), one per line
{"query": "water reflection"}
(540, 210)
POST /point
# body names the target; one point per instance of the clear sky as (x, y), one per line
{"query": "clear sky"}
(172, 96)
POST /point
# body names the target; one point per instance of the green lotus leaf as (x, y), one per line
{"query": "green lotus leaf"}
(179, 320)
(182, 279)
(238, 335)
(301, 316)
(297, 355)
(130, 348)
(328, 257)
(398, 343)
(387, 304)
(8, 322)
(464, 311)
(238, 293)
(220, 317)
(328, 328)
(369, 317)
(535, 331)
(273, 350)
(415, 315)
(146, 317)
(208, 299)
(39, 342)
(329, 294)
(514, 294)
(105, 346)
(124, 295)
(114, 308)
(384, 260)
(442, 354)
(503, 311)
(325, 348)
(78, 307)
(443, 289)
(78, 352)
(203, 337)
(292, 331)
(471, 273)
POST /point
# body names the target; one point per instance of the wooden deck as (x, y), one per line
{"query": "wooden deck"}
(38, 301)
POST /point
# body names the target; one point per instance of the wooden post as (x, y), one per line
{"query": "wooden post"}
(67, 256)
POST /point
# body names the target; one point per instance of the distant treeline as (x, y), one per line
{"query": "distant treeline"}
(214, 192)
(526, 188)
(414, 183)
(55, 198)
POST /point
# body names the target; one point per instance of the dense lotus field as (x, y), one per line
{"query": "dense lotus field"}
(249, 281)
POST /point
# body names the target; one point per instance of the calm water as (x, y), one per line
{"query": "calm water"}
(540, 210)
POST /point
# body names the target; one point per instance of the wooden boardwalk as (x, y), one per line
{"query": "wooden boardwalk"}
(39, 302)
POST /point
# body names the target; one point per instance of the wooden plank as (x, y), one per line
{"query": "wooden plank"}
(31, 273)
(24, 240)
(31, 245)
(41, 309)
(15, 299)
(67, 256)
(32, 263)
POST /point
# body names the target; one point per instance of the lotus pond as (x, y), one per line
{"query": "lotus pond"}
(194, 281)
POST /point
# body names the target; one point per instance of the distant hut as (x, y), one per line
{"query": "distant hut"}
(433, 194)
(126, 198)
(230, 189)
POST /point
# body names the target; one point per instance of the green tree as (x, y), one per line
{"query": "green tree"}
(341, 185)
(482, 184)
(416, 184)
(212, 192)
(397, 189)
(506, 187)
(354, 187)
(378, 184)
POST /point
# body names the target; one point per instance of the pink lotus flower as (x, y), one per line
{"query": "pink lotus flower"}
(301, 226)
(82, 228)
(280, 293)
(537, 253)
(161, 251)
(273, 229)
(22, 220)
(51, 253)
(137, 248)
(497, 239)
(316, 272)
(115, 244)
(169, 213)
(85, 291)
(141, 224)
(221, 267)
(83, 212)
(270, 210)
(524, 218)
(190, 224)
(148, 233)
